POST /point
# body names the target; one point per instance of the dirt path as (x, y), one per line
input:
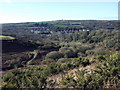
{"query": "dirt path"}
(35, 53)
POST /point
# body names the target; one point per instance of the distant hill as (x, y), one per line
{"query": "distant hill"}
(35, 29)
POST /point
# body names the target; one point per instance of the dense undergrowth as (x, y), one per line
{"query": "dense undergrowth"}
(105, 75)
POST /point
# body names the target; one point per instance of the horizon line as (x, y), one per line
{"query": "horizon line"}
(63, 20)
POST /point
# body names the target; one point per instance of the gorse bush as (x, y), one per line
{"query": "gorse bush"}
(105, 75)
(37, 76)
(63, 60)
(25, 78)
(68, 52)
(54, 55)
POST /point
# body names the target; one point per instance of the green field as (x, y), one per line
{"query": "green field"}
(6, 37)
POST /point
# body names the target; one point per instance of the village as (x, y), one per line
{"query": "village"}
(48, 31)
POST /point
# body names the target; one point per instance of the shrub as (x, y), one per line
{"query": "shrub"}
(85, 62)
(89, 52)
(68, 81)
(79, 54)
(63, 49)
(47, 61)
(82, 49)
(70, 54)
(25, 78)
(101, 52)
(62, 60)
(54, 55)
(54, 68)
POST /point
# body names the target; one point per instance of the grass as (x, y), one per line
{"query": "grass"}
(64, 26)
(6, 37)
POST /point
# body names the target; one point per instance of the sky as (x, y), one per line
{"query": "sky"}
(12, 11)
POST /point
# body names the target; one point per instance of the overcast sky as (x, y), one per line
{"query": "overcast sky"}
(12, 11)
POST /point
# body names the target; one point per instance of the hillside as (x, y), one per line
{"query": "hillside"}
(61, 54)
(15, 45)
(17, 53)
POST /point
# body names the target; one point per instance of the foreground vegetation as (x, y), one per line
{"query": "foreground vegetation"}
(105, 75)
